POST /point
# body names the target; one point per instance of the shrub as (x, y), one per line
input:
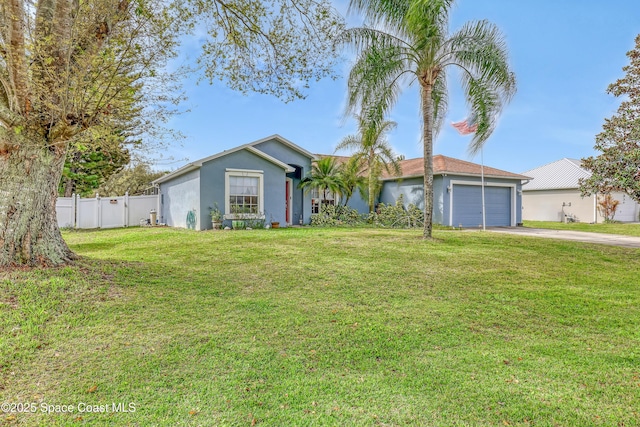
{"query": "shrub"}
(391, 216)
(332, 215)
(608, 207)
(397, 216)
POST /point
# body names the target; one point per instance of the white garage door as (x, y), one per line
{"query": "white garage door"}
(467, 206)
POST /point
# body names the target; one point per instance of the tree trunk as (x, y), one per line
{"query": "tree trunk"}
(427, 137)
(372, 188)
(29, 177)
(69, 187)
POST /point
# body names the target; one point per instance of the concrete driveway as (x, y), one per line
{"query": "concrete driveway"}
(577, 236)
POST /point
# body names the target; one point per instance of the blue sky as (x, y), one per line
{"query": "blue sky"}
(564, 54)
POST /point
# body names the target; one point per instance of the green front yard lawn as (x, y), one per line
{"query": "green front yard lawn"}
(627, 229)
(324, 327)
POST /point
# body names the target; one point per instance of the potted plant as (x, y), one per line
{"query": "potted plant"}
(274, 224)
(216, 218)
(238, 215)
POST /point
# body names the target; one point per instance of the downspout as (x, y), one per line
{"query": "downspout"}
(595, 208)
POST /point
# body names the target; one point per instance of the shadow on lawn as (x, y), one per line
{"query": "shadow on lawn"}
(85, 248)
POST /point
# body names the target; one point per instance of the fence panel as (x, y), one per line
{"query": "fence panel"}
(107, 212)
(66, 211)
(139, 208)
(87, 216)
(112, 212)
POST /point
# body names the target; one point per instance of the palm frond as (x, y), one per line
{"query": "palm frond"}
(427, 22)
(324, 175)
(363, 38)
(389, 160)
(386, 13)
(350, 142)
(375, 81)
(485, 104)
(440, 96)
(480, 50)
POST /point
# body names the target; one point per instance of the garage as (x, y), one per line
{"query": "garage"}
(466, 205)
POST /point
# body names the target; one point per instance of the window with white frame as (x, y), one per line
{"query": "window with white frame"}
(317, 198)
(244, 193)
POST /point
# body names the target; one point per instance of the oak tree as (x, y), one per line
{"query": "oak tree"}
(134, 179)
(72, 70)
(617, 167)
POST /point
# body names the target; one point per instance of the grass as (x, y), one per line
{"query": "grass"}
(325, 327)
(627, 229)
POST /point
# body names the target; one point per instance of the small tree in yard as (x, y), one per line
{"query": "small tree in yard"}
(90, 163)
(74, 70)
(325, 175)
(350, 171)
(372, 150)
(608, 207)
(617, 167)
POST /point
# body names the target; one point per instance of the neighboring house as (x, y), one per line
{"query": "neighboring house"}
(554, 195)
(458, 192)
(255, 180)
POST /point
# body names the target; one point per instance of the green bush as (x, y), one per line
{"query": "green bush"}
(397, 216)
(332, 215)
(390, 216)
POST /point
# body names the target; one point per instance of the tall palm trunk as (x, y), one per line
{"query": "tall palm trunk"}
(372, 189)
(427, 137)
(29, 177)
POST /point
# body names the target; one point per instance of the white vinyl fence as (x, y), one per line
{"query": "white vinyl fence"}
(104, 212)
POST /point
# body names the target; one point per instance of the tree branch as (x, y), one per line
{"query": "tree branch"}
(17, 54)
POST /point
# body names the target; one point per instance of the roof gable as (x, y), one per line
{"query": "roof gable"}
(285, 142)
(198, 163)
(561, 174)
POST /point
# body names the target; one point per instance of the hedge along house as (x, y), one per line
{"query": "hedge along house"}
(258, 180)
(457, 186)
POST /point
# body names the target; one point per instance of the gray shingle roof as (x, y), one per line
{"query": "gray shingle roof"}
(560, 174)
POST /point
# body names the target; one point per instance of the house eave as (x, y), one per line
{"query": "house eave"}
(525, 189)
(520, 177)
(185, 169)
(286, 142)
(267, 157)
(197, 164)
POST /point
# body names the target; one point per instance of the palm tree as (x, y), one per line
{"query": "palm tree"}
(409, 41)
(352, 179)
(373, 151)
(324, 175)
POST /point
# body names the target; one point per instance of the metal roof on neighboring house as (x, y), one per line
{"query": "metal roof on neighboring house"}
(561, 174)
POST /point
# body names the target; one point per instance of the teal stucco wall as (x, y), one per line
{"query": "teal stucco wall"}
(178, 197)
(301, 199)
(212, 184)
(412, 191)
